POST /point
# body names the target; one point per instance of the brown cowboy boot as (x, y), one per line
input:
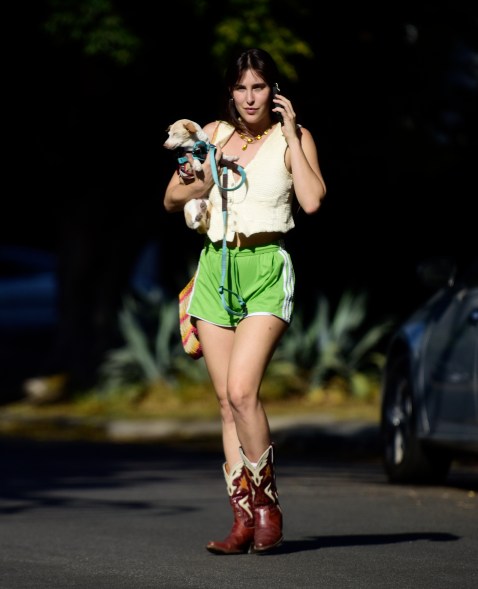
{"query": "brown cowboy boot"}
(267, 511)
(241, 536)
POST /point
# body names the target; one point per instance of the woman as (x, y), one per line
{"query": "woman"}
(238, 340)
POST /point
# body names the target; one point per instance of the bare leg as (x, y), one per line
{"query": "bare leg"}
(217, 345)
(236, 361)
(254, 344)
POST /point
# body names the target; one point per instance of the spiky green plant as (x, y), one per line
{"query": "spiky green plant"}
(151, 345)
(338, 345)
(310, 354)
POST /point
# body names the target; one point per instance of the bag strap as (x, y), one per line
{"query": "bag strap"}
(212, 157)
(216, 130)
(225, 136)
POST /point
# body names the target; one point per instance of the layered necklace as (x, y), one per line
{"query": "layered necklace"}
(248, 139)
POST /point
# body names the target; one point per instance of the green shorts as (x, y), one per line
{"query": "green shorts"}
(263, 276)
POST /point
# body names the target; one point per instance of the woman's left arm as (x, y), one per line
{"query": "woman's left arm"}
(301, 158)
(303, 162)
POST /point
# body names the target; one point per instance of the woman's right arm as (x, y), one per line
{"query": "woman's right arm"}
(178, 193)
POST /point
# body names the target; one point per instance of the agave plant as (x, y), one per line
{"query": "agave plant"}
(151, 343)
(335, 346)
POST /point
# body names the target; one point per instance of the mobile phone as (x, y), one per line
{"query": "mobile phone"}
(276, 90)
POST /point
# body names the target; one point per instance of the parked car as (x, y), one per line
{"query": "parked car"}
(429, 402)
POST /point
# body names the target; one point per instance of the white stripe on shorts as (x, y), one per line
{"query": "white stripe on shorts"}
(287, 285)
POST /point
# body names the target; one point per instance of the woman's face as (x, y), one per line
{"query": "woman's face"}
(251, 97)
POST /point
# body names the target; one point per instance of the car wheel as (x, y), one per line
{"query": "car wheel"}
(406, 459)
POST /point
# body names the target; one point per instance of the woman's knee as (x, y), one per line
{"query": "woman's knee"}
(241, 400)
(225, 409)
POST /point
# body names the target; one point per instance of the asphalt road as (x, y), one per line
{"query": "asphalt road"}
(115, 515)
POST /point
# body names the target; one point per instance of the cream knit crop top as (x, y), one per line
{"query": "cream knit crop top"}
(264, 202)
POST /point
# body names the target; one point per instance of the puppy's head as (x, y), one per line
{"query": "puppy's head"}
(184, 133)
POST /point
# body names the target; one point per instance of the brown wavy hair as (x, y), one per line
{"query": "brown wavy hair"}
(255, 59)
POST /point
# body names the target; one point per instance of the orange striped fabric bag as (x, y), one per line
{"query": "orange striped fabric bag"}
(189, 333)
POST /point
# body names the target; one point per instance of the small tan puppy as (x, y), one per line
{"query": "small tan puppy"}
(184, 134)
(188, 137)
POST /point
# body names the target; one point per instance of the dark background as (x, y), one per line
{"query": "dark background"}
(390, 98)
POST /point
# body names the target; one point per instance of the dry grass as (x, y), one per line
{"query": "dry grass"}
(191, 401)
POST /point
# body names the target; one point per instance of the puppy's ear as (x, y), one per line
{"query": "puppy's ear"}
(190, 127)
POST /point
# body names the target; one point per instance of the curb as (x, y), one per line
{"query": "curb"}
(319, 434)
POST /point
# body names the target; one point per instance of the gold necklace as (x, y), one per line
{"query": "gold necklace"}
(249, 139)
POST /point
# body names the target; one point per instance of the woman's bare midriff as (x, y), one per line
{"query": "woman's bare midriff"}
(240, 240)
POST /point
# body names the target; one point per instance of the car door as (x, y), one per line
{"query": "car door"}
(450, 359)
